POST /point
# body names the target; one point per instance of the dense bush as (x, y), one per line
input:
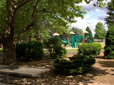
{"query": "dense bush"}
(80, 63)
(76, 65)
(109, 44)
(59, 52)
(90, 49)
(54, 46)
(29, 51)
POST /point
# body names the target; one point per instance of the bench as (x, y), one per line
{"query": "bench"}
(21, 71)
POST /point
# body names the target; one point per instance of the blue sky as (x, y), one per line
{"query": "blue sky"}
(93, 16)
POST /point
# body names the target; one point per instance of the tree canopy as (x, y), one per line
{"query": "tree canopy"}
(100, 31)
(110, 18)
(77, 31)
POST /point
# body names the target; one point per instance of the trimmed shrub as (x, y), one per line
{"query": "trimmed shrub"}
(80, 63)
(29, 51)
(22, 52)
(109, 44)
(59, 52)
(76, 65)
(54, 46)
(89, 49)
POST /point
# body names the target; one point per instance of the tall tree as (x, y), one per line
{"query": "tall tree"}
(18, 16)
(110, 18)
(77, 31)
(100, 31)
(90, 33)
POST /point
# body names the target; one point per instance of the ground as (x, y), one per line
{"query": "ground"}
(102, 72)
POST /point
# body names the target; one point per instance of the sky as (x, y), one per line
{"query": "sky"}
(93, 16)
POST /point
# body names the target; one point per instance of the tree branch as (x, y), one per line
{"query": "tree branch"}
(24, 30)
(23, 4)
(19, 6)
(32, 23)
(20, 1)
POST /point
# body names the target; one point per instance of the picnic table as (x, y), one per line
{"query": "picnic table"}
(21, 71)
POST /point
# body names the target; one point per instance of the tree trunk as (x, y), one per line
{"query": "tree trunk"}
(37, 35)
(9, 52)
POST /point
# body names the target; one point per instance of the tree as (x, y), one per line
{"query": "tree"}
(110, 19)
(109, 44)
(80, 32)
(90, 34)
(77, 31)
(100, 31)
(18, 16)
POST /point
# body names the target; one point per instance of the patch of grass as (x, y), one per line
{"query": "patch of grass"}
(1, 50)
(72, 50)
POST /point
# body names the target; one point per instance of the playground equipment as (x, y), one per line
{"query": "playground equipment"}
(74, 41)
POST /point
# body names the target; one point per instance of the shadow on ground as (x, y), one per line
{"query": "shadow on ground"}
(54, 79)
(108, 63)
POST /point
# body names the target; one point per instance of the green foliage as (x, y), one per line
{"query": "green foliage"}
(110, 18)
(90, 49)
(51, 43)
(76, 65)
(59, 52)
(90, 34)
(100, 31)
(109, 44)
(29, 51)
(77, 31)
(54, 46)
(80, 63)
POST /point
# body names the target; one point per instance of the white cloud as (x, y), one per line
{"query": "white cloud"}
(101, 17)
(93, 16)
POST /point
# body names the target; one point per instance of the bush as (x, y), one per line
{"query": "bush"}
(90, 49)
(80, 63)
(76, 65)
(109, 44)
(54, 46)
(29, 51)
(59, 52)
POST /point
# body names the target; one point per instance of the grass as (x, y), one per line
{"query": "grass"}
(72, 50)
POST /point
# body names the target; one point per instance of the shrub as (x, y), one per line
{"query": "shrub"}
(51, 44)
(76, 65)
(80, 63)
(109, 44)
(59, 52)
(90, 49)
(22, 52)
(29, 51)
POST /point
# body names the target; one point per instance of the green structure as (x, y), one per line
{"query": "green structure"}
(74, 41)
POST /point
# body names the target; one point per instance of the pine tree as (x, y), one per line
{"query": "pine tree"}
(90, 34)
(109, 48)
(110, 19)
